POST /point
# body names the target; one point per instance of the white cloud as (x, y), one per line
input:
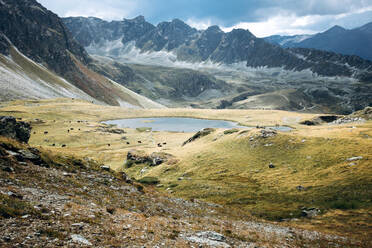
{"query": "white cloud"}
(108, 9)
(284, 25)
(290, 24)
(199, 24)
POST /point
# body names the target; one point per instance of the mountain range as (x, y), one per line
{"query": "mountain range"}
(212, 44)
(133, 63)
(252, 72)
(357, 41)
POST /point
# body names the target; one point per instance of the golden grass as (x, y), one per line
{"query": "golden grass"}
(227, 168)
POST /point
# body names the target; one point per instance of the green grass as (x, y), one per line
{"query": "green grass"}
(11, 207)
(149, 180)
(235, 172)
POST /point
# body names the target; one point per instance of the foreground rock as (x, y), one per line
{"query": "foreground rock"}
(209, 238)
(9, 127)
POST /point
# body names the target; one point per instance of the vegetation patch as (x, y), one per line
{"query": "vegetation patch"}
(11, 207)
(231, 131)
(149, 180)
(200, 134)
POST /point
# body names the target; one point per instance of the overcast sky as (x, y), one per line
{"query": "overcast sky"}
(261, 17)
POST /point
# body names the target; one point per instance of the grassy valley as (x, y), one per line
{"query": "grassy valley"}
(275, 176)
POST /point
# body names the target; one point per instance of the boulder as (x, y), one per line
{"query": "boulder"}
(140, 157)
(209, 238)
(9, 127)
(105, 167)
(310, 212)
(265, 133)
(80, 239)
(354, 158)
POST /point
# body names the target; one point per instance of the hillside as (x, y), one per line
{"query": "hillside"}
(337, 39)
(322, 170)
(40, 59)
(50, 197)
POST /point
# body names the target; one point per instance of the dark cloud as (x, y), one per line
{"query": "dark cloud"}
(225, 13)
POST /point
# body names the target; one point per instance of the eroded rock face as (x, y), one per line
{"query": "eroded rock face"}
(140, 157)
(9, 127)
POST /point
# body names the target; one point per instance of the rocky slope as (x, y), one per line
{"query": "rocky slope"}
(38, 55)
(169, 86)
(337, 39)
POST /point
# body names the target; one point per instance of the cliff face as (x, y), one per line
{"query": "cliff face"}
(39, 34)
(31, 32)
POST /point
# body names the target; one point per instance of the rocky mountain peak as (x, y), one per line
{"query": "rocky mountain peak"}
(175, 25)
(366, 28)
(138, 19)
(214, 29)
(335, 29)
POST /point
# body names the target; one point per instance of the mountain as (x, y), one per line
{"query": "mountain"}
(357, 41)
(168, 62)
(286, 41)
(40, 59)
(188, 44)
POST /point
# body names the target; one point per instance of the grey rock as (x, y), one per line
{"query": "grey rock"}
(8, 169)
(105, 167)
(354, 158)
(80, 239)
(28, 155)
(9, 127)
(300, 188)
(265, 133)
(209, 238)
(310, 212)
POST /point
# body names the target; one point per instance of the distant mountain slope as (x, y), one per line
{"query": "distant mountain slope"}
(38, 36)
(22, 78)
(177, 39)
(357, 41)
(167, 85)
(287, 41)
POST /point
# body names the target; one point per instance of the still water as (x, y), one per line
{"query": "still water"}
(180, 124)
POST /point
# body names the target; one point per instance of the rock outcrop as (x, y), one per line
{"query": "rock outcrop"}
(11, 128)
(140, 157)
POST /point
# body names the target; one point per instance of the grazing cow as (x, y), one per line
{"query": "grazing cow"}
(68, 130)
(108, 144)
(63, 145)
(46, 132)
(53, 144)
(164, 143)
(79, 129)
(139, 142)
(34, 132)
(128, 143)
(72, 128)
(159, 145)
